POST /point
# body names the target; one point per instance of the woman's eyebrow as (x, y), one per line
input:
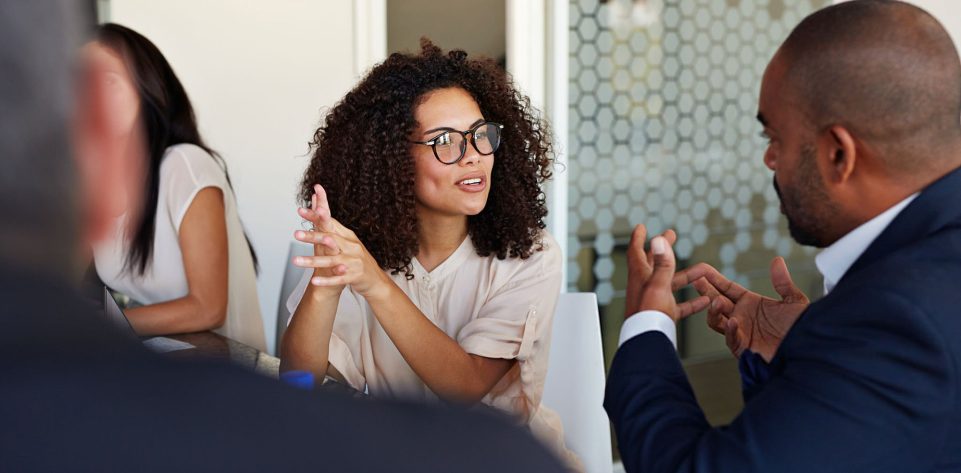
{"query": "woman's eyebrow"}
(443, 128)
(447, 128)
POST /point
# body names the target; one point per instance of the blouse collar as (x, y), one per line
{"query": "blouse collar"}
(448, 266)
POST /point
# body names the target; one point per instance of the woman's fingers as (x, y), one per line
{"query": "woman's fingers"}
(319, 212)
(340, 230)
(307, 214)
(311, 215)
(327, 240)
(322, 209)
(321, 194)
(331, 244)
(328, 281)
(319, 261)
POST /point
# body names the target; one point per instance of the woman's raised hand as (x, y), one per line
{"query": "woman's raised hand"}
(340, 258)
(320, 219)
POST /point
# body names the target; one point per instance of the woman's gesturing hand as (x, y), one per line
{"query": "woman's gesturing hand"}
(340, 258)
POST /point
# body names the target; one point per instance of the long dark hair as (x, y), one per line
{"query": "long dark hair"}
(167, 119)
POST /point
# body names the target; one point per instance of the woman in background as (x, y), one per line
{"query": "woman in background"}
(179, 248)
(433, 277)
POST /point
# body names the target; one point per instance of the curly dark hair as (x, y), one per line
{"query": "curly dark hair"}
(362, 157)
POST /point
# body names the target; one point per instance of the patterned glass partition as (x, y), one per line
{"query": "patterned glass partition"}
(663, 98)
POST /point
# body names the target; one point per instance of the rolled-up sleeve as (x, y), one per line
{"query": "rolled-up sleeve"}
(516, 321)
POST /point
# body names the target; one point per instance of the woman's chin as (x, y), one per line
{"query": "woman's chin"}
(465, 208)
(475, 207)
(471, 209)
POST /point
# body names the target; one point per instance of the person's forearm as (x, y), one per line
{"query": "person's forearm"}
(306, 343)
(652, 407)
(184, 315)
(437, 359)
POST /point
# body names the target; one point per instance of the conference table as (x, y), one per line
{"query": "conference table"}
(210, 345)
(218, 347)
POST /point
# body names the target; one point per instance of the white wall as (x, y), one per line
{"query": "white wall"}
(948, 12)
(259, 74)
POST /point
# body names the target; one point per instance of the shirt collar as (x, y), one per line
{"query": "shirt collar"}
(834, 261)
(448, 266)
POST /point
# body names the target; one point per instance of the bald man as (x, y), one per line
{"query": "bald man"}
(862, 108)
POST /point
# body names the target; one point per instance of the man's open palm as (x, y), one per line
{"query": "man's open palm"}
(748, 320)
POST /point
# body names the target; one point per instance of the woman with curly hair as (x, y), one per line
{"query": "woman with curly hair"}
(433, 276)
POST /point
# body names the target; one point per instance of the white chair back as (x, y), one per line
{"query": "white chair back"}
(575, 380)
(292, 275)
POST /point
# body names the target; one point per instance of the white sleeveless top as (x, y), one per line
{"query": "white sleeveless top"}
(493, 308)
(185, 170)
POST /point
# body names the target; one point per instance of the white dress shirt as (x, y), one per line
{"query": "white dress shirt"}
(833, 262)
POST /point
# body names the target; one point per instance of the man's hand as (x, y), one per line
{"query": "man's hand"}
(748, 320)
(650, 276)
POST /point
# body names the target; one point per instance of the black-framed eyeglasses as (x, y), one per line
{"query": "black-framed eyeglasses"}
(451, 145)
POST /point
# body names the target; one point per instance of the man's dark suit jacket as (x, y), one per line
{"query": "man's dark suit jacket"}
(75, 395)
(867, 380)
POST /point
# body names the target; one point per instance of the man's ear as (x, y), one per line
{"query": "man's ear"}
(842, 153)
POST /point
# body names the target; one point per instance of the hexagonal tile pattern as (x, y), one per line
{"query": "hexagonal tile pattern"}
(663, 95)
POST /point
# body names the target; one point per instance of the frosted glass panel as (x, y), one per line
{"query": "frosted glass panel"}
(663, 98)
